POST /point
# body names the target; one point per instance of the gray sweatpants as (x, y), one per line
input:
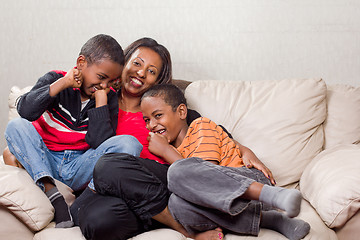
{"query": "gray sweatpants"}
(206, 196)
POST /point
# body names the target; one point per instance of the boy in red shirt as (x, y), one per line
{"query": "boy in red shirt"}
(68, 120)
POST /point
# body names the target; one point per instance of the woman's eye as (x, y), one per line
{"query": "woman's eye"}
(152, 72)
(146, 120)
(136, 63)
(158, 115)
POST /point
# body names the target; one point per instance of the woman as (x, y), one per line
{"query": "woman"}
(123, 211)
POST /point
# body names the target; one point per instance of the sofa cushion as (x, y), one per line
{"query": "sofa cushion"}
(23, 198)
(74, 233)
(342, 125)
(9, 223)
(331, 184)
(20, 195)
(15, 93)
(281, 121)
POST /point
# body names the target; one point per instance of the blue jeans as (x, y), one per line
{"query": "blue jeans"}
(74, 168)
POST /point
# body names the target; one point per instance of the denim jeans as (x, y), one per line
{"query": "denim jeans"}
(206, 196)
(74, 168)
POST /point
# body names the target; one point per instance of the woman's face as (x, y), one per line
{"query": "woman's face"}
(141, 71)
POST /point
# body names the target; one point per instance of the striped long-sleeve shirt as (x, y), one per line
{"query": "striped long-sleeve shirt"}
(62, 122)
(206, 140)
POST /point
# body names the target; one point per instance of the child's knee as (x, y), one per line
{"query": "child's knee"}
(10, 159)
(126, 144)
(15, 125)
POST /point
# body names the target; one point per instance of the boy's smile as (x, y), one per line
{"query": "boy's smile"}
(161, 119)
(98, 76)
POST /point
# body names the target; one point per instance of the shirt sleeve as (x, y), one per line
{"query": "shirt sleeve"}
(102, 121)
(33, 104)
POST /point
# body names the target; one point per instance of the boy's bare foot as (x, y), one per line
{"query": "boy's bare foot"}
(215, 234)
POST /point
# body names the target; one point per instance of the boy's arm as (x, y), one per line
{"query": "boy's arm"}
(160, 146)
(102, 121)
(251, 160)
(33, 104)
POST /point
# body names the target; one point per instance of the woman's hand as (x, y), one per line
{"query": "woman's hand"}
(251, 160)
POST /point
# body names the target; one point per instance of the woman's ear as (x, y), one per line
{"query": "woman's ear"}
(81, 62)
(182, 109)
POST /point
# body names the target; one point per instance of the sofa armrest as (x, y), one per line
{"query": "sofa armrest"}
(331, 184)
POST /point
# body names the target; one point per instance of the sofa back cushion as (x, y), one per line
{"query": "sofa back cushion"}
(281, 121)
(342, 125)
(15, 93)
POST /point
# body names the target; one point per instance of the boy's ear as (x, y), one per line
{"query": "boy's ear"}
(81, 62)
(182, 109)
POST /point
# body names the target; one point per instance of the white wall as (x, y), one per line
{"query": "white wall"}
(208, 39)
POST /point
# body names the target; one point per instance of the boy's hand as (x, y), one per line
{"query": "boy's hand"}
(159, 145)
(100, 96)
(252, 161)
(73, 78)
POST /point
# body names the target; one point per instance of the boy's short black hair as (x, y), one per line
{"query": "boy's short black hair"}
(171, 94)
(101, 47)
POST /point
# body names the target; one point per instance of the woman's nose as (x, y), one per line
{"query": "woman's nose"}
(141, 73)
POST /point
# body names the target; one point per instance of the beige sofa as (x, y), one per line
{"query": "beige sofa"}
(305, 131)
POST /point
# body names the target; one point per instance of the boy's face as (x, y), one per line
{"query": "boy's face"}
(97, 76)
(161, 119)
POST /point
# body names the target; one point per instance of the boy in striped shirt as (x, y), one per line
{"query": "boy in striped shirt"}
(68, 120)
(218, 193)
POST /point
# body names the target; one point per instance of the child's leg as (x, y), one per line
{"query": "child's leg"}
(166, 218)
(293, 229)
(27, 146)
(84, 164)
(29, 149)
(10, 159)
(62, 215)
(235, 187)
(197, 219)
(230, 183)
